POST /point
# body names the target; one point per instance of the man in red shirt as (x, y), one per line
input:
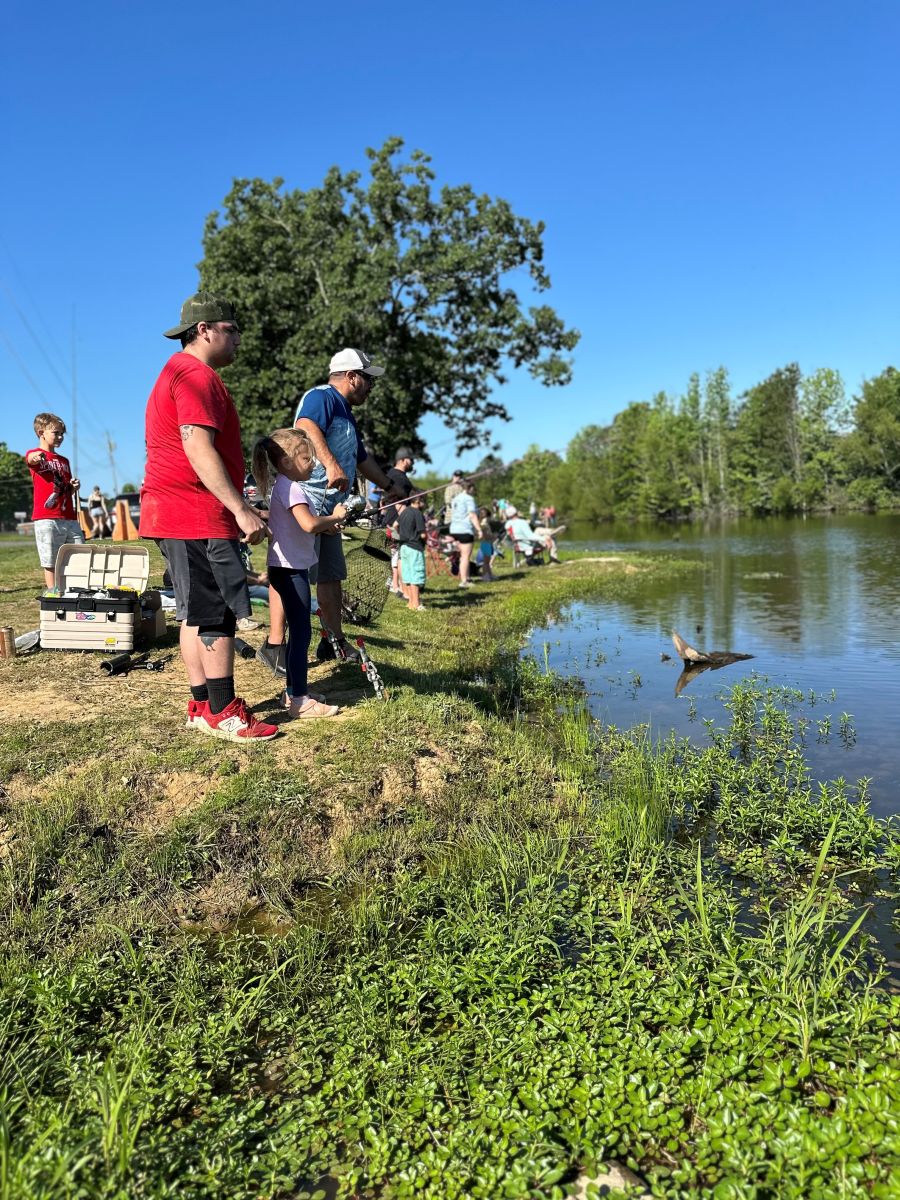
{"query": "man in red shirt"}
(54, 516)
(192, 504)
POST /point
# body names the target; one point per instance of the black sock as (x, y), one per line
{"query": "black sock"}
(221, 693)
(201, 692)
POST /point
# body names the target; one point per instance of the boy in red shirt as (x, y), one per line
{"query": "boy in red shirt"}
(54, 516)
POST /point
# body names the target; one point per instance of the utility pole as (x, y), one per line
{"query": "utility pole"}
(74, 403)
(111, 447)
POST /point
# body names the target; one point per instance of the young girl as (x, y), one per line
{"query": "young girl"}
(486, 551)
(292, 551)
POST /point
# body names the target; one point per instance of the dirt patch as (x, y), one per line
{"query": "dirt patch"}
(37, 701)
(393, 788)
(181, 793)
(38, 789)
(606, 559)
(425, 777)
(217, 904)
(433, 768)
(603, 558)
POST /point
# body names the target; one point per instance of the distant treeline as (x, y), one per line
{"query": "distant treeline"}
(793, 443)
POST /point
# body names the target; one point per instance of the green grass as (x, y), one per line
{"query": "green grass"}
(464, 944)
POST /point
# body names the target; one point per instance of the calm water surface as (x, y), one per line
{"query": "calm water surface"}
(817, 603)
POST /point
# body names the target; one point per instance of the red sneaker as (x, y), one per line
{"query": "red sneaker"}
(235, 723)
(196, 710)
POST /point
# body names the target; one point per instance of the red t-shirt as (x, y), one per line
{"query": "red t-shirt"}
(174, 503)
(44, 478)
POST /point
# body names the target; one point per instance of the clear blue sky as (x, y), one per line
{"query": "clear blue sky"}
(720, 182)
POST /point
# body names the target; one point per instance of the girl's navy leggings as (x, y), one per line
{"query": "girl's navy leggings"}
(292, 585)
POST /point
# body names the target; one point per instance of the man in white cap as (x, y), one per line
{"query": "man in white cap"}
(325, 415)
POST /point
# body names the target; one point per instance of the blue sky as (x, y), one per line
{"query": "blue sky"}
(720, 182)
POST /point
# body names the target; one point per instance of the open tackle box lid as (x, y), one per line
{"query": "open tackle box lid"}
(99, 568)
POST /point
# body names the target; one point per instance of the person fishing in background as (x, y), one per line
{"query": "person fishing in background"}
(410, 528)
(464, 526)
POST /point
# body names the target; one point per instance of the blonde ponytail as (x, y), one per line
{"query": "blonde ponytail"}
(268, 452)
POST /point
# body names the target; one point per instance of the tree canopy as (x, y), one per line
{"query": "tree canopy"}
(791, 443)
(420, 279)
(15, 484)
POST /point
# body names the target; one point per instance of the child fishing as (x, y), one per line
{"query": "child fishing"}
(410, 530)
(54, 513)
(289, 455)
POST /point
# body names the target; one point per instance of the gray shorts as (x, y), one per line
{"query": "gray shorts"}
(208, 578)
(331, 567)
(52, 533)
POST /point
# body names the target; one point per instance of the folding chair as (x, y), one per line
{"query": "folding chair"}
(531, 554)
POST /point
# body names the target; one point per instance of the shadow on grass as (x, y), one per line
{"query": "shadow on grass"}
(458, 599)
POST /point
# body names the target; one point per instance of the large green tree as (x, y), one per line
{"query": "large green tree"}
(766, 453)
(528, 477)
(717, 421)
(424, 279)
(873, 447)
(582, 486)
(824, 416)
(15, 484)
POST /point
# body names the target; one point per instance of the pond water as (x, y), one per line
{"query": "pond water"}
(816, 601)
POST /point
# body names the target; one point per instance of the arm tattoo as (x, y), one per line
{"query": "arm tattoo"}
(186, 431)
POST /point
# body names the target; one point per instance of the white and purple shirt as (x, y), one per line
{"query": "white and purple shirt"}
(290, 546)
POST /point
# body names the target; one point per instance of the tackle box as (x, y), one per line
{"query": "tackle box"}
(102, 601)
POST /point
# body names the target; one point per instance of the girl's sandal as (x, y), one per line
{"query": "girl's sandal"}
(314, 708)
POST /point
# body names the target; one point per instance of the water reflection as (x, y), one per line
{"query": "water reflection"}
(816, 601)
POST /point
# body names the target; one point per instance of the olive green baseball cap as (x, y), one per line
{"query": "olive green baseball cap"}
(202, 306)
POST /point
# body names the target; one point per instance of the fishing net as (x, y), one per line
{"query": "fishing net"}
(365, 589)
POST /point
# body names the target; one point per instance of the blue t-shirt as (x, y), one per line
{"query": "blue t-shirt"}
(462, 505)
(327, 408)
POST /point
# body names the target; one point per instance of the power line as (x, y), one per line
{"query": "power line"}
(15, 267)
(24, 369)
(67, 388)
(34, 337)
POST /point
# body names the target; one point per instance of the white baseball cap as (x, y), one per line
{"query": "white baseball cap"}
(353, 360)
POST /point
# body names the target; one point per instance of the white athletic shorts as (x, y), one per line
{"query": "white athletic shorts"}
(50, 534)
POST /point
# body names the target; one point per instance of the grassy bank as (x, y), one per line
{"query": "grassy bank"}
(464, 944)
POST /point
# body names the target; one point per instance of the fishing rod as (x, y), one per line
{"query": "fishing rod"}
(360, 654)
(441, 486)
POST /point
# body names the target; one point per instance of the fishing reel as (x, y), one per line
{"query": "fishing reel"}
(356, 509)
